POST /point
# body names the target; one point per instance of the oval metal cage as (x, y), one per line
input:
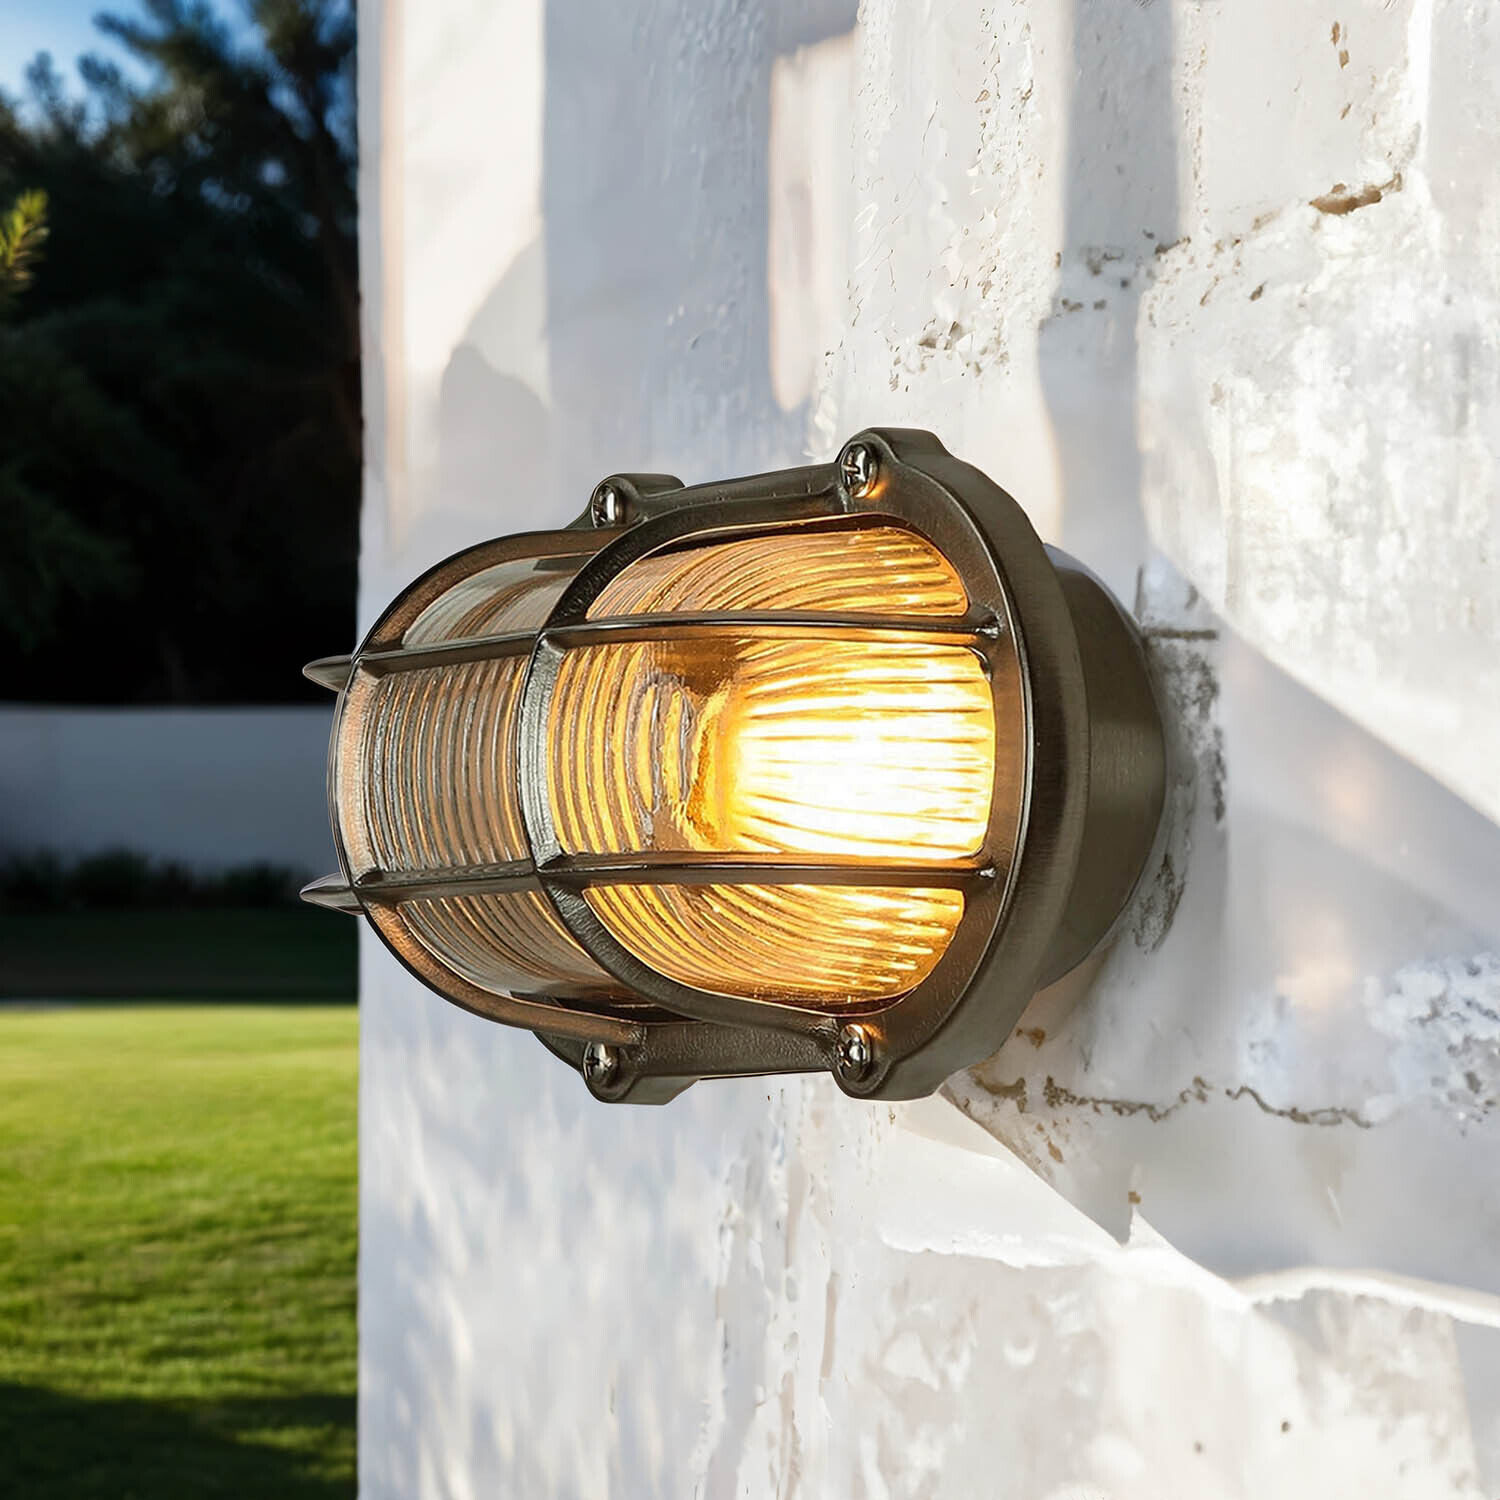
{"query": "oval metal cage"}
(528, 805)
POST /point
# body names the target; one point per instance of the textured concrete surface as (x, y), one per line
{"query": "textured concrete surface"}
(1208, 287)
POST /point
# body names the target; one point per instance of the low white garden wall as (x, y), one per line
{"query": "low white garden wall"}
(208, 786)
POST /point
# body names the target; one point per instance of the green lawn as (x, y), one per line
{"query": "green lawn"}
(177, 1241)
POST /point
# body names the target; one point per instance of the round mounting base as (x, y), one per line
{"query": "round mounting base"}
(1126, 767)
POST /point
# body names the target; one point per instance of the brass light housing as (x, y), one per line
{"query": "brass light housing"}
(827, 768)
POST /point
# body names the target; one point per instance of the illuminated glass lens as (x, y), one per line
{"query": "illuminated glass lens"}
(805, 745)
(508, 943)
(436, 750)
(509, 596)
(883, 750)
(438, 747)
(879, 570)
(813, 748)
(823, 945)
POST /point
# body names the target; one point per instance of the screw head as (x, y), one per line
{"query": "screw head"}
(607, 508)
(858, 467)
(600, 1064)
(856, 1053)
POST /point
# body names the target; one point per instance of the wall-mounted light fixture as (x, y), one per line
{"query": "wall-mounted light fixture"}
(827, 768)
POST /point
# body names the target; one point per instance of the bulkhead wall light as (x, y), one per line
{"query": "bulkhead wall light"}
(826, 768)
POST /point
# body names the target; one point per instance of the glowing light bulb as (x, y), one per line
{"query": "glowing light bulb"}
(878, 751)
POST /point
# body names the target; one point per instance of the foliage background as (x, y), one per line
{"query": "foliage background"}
(179, 381)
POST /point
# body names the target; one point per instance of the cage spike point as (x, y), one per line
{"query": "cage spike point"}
(331, 672)
(333, 892)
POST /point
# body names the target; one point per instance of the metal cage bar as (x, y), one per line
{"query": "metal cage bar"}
(772, 623)
(391, 886)
(694, 867)
(972, 627)
(674, 867)
(446, 653)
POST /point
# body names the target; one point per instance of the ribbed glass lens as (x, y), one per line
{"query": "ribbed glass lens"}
(437, 788)
(825, 945)
(878, 749)
(439, 747)
(498, 600)
(511, 943)
(437, 773)
(881, 750)
(798, 743)
(881, 570)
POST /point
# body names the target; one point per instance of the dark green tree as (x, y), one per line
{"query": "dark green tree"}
(45, 554)
(179, 385)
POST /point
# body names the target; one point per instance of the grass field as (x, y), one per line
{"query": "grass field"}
(177, 1241)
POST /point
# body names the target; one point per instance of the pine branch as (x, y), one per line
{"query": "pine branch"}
(23, 230)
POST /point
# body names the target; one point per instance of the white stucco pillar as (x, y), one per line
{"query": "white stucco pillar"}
(1210, 289)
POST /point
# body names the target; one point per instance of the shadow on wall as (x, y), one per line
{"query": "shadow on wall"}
(494, 424)
(1121, 203)
(611, 343)
(657, 251)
